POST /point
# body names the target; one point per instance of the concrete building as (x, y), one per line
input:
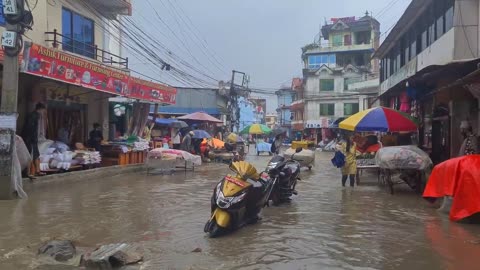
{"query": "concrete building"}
(190, 100)
(271, 120)
(339, 73)
(285, 97)
(428, 65)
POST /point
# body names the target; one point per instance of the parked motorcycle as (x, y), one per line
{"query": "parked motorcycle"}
(237, 199)
(289, 171)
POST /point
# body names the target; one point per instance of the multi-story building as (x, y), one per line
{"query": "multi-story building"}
(425, 62)
(285, 97)
(73, 63)
(298, 106)
(271, 120)
(334, 65)
(190, 100)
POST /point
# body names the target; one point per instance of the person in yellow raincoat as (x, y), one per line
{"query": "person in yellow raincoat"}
(349, 170)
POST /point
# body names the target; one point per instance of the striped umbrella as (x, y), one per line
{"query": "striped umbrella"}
(380, 119)
(256, 129)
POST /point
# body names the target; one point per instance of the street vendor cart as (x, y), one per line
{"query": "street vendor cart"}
(163, 161)
(403, 164)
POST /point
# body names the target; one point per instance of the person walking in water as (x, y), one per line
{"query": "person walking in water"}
(349, 170)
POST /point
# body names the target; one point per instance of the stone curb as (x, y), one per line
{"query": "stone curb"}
(85, 175)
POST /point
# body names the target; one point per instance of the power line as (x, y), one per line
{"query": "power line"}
(140, 49)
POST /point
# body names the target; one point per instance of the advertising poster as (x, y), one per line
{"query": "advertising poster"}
(260, 107)
(61, 66)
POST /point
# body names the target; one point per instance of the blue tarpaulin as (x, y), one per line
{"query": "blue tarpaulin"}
(163, 121)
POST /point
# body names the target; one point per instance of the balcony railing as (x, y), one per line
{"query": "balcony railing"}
(69, 44)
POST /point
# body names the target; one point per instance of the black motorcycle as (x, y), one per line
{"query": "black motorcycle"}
(289, 171)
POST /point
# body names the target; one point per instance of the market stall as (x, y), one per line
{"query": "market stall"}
(380, 120)
(409, 164)
(259, 129)
(162, 160)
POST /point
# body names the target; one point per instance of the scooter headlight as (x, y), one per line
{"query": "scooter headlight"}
(222, 201)
(272, 165)
(238, 198)
(226, 202)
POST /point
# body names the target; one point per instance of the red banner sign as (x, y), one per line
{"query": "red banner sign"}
(344, 19)
(55, 64)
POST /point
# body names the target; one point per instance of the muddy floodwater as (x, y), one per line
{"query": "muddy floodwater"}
(325, 226)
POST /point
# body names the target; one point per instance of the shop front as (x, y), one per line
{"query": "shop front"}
(76, 132)
(439, 101)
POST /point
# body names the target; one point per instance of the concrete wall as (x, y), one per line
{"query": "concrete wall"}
(48, 16)
(441, 52)
(466, 21)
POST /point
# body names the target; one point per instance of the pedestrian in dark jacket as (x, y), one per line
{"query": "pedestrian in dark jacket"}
(30, 137)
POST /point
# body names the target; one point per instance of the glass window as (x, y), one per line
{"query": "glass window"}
(332, 59)
(350, 108)
(78, 33)
(313, 61)
(327, 109)
(327, 85)
(337, 40)
(348, 81)
(449, 19)
(324, 59)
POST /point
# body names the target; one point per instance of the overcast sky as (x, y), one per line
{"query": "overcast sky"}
(262, 38)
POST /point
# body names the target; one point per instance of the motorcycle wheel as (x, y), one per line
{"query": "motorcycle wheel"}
(215, 230)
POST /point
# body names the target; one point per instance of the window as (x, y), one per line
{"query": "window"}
(347, 40)
(350, 108)
(327, 109)
(337, 40)
(315, 61)
(348, 81)
(78, 33)
(327, 85)
(449, 17)
(2, 17)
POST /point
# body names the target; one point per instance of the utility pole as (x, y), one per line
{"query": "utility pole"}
(8, 107)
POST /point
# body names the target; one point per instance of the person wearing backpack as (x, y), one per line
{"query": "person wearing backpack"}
(349, 170)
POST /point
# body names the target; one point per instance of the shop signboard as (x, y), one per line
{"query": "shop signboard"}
(154, 92)
(58, 65)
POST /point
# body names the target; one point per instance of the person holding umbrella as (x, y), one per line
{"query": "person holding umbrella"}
(186, 144)
(277, 143)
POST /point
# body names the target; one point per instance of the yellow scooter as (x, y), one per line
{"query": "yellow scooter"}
(237, 199)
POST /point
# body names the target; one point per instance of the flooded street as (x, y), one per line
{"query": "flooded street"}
(325, 227)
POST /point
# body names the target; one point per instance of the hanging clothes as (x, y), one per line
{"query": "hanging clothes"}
(404, 102)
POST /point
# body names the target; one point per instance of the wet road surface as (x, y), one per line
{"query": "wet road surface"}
(325, 227)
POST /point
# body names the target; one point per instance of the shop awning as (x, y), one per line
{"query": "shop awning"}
(163, 121)
(182, 110)
(75, 70)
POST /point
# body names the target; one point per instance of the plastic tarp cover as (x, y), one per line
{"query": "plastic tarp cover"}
(21, 160)
(403, 157)
(460, 179)
(264, 147)
(197, 160)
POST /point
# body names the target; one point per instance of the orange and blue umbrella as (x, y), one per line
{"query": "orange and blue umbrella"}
(380, 119)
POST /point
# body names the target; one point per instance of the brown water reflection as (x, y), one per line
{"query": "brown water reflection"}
(325, 227)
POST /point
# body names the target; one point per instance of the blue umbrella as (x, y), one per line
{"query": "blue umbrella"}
(201, 134)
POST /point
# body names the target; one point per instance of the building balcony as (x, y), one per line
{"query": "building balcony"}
(298, 125)
(343, 47)
(297, 105)
(61, 42)
(111, 8)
